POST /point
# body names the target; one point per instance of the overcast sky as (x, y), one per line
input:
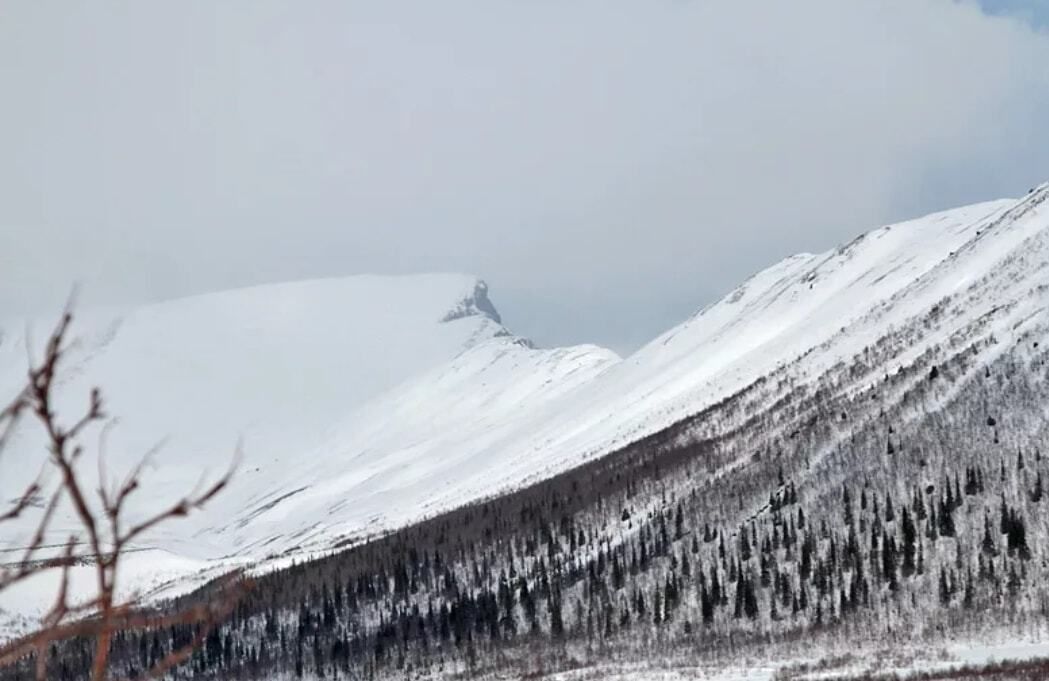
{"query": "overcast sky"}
(1035, 12)
(608, 166)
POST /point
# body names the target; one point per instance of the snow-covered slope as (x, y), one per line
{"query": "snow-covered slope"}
(408, 453)
(209, 368)
(399, 362)
(500, 414)
(778, 316)
(365, 403)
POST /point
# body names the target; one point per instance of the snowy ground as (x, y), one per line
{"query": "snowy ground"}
(901, 661)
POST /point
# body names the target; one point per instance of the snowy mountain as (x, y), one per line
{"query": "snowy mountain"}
(277, 369)
(809, 311)
(279, 361)
(368, 404)
(834, 472)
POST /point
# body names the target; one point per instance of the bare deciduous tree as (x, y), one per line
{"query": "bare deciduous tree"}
(102, 535)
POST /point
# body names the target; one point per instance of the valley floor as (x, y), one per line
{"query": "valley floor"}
(1002, 660)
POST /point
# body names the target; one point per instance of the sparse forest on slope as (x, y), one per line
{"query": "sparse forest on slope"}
(889, 483)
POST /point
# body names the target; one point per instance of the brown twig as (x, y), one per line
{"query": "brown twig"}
(103, 533)
(125, 617)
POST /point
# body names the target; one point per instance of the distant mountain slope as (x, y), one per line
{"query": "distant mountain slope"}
(478, 440)
(278, 368)
(368, 403)
(777, 316)
(277, 362)
(809, 311)
(430, 444)
(845, 454)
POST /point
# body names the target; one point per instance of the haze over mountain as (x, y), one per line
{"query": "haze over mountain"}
(640, 163)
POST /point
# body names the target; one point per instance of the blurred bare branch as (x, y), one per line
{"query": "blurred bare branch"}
(103, 536)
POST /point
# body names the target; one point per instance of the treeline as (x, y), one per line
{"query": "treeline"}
(868, 557)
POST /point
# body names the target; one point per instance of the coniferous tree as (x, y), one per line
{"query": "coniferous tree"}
(706, 605)
(946, 527)
(909, 551)
(988, 545)
(888, 565)
(846, 502)
(557, 623)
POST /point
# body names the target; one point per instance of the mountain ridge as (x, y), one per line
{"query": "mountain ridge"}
(809, 501)
(491, 413)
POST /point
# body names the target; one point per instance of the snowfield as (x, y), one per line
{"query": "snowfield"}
(336, 393)
(364, 403)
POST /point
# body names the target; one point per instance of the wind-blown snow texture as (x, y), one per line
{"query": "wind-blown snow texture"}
(365, 403)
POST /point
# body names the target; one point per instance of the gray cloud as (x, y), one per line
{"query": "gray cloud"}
(608, 166)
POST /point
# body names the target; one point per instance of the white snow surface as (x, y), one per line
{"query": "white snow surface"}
(903, 660)
(365, 403)
(339, 394)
